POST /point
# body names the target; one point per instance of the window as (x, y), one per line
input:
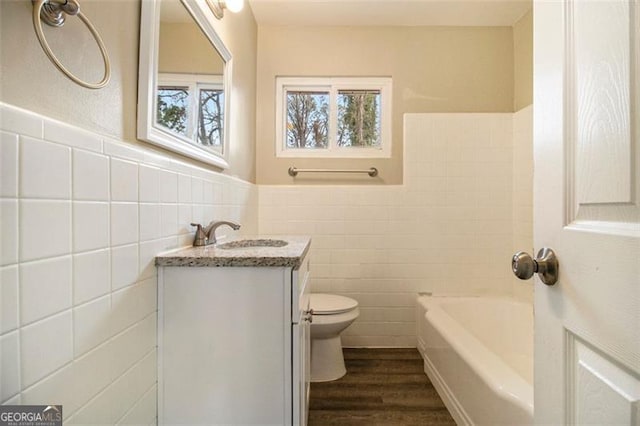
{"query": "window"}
(333, 117)
(191, 107)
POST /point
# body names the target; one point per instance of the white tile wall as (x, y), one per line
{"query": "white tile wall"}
(523, 194)
(82, 217)
(9, 365)
(448, 229)
(8, 299)
(45, 288)
(451, 228)
(91, 275)
(9, 165)
(9, 229)
(90, 176)
(44, 229)
(45, 170)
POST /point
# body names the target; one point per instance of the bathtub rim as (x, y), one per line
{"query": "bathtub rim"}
(513, 388)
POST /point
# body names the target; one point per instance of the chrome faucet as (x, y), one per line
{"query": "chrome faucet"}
(207, 236)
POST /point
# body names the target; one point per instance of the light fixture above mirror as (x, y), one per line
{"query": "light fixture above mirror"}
(218, 6)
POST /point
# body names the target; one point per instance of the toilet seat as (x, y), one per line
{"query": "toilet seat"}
(331, 304)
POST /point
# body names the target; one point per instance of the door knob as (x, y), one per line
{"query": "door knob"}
(545, 265)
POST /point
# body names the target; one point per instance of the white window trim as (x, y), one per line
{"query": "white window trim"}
(333, 85)
(194, 82)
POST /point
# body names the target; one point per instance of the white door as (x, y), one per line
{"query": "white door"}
(587, 209)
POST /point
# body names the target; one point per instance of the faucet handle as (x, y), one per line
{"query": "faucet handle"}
(200, 238)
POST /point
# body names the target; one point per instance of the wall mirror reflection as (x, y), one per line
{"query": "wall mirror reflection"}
(183, 104)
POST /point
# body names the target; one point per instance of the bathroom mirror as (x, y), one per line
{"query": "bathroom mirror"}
(185, 70)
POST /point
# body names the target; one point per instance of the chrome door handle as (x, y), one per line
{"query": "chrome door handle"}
(545, 265)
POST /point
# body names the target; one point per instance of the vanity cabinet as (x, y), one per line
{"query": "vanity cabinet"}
(233, 344)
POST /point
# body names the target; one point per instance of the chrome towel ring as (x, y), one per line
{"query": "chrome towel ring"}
(52, 12)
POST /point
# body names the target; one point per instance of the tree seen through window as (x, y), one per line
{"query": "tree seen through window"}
(307, 119)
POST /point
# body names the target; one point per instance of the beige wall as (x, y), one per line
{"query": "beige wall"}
(523, 61)
(30, 81)
(240, 34)
(174, 58)
(434, 69)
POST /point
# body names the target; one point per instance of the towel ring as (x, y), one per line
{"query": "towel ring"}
(52, 12)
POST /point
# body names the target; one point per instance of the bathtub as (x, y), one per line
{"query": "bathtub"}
(478, 353)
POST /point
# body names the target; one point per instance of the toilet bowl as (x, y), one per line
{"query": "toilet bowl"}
(331, 315)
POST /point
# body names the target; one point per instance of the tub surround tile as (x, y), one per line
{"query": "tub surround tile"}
(290, 255)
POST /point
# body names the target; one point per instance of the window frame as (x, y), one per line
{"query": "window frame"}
(333, 85)
(194, 83)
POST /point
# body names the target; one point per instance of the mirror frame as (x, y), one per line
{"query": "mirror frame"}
(148, 76)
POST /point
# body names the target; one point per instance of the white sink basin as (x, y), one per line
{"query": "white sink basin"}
(240, 244)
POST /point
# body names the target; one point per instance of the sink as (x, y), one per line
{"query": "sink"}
(240, 244)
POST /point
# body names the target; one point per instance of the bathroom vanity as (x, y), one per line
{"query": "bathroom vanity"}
(233, 333)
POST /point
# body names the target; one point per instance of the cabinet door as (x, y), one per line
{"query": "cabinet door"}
(301, 372)
(301, 344)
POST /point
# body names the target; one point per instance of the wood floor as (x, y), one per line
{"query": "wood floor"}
(381, 387)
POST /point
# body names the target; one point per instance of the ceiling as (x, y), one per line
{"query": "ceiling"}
(389, 12)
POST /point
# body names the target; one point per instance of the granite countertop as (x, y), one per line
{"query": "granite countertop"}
(290, 255)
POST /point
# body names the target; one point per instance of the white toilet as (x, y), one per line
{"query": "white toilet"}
(331, 315)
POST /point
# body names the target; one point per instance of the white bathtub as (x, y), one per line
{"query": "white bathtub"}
(478, 352)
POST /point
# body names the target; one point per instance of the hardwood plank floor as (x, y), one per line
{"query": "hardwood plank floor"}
(381, 387)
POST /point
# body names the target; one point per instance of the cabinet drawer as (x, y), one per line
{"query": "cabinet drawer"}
(300, 292)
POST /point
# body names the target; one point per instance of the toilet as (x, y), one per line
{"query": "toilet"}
(331, 315)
